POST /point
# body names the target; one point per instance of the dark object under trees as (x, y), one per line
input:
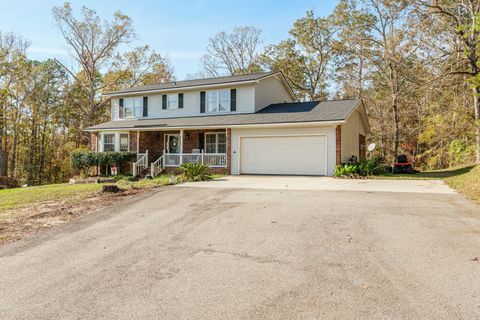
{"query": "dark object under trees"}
(403, 165)
(112, 188)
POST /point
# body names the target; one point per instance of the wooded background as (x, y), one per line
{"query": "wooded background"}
(414, 63)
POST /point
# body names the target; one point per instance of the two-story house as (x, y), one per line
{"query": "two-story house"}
(246, 124)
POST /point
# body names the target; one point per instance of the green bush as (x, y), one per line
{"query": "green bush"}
(194, 171)
(83, 160)
(364, 167)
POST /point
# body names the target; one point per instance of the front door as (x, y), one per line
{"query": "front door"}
(172, 148)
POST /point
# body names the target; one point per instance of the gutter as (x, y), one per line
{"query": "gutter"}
(166, 128)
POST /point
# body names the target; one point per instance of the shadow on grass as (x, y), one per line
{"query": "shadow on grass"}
(440, 174)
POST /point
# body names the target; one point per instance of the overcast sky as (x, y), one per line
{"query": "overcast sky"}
(179, 29)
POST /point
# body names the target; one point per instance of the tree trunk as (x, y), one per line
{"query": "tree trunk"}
(395, 126)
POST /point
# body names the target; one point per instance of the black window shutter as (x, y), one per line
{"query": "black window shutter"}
(164, 101)
(180, 100)
(201, 141)
(233, 99)
(120, 108)
(145, 106)
(202, 102)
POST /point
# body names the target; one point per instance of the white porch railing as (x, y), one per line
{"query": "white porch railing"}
(157, 166)
(214, 160)
(141, 164)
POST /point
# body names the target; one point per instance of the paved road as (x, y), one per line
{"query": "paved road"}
(226, 253)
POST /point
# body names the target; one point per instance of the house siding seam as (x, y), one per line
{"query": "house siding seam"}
(269, 91)
(328, 131)
(351, 130)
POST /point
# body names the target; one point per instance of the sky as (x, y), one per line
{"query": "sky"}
(175, 28)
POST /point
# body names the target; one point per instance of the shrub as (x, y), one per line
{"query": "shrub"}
(83, 160)
(364, 167)
(194, 171)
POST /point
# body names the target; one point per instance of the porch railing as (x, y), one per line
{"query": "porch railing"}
(141, 164)
(157, 166)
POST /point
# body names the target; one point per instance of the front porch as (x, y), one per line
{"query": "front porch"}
(164, 151)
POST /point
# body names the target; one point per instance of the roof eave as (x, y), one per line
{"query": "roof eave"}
(246, 125)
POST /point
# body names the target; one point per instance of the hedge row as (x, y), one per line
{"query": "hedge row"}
(81, 160)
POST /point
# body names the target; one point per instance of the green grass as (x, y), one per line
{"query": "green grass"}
(465, 180)
(467, 183)
(427, 175)
(18, 197)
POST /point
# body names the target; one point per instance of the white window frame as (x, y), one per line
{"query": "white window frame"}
(217, 102)
(172, 95)
(116, 139)
(130, 104)
(104, 142)
(120, 141)
(216, 134)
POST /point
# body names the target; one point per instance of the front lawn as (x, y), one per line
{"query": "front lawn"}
(465, 180)
(19, 197)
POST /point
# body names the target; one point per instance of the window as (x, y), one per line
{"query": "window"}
(124, 142)
(133, 107)
(108, 142)
(218, 101)
(172, 101)
(215, 143)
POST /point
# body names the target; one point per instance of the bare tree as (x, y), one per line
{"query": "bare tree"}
(462, 18)
(233, 53)
(93, 43)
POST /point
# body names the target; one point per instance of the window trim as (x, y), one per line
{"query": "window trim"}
(120, 141)
(217, 109)
(116, 141)
(133, 108)
(176, 101)
(216, 134)
(104, 141)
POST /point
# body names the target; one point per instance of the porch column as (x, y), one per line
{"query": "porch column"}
(181, 146)
(138, 141)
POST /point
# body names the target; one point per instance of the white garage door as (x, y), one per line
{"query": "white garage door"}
(302, 155)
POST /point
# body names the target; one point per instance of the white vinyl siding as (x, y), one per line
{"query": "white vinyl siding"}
(327, 131)
(271, 90)
(115, 108)
(191, 104)
(350, 135)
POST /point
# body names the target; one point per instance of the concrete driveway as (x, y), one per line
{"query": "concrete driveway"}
(216, 251)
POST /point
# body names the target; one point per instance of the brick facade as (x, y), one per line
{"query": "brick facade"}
(153, 141)
(338, 144)
(93, 146)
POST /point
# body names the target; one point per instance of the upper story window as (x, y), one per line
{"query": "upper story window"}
(218, 100)
(133, 107)
(172, 101)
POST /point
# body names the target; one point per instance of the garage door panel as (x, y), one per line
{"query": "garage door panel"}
(283, 155)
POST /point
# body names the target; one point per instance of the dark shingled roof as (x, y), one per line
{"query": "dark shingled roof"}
(195, 82)
(295, 112)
